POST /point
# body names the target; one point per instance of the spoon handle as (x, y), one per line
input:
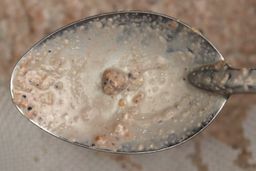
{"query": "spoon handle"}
(223, 79)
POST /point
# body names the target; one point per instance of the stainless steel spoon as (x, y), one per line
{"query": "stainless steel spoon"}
(179, 37)
(223, 79)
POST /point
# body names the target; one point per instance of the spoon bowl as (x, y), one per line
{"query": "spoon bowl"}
(129, 69)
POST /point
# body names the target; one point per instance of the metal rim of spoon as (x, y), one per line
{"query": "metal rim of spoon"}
(200, 77)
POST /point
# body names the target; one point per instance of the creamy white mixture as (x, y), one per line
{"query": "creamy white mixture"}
(58, 85)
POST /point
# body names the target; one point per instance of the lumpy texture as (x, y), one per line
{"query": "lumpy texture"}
(116, 85)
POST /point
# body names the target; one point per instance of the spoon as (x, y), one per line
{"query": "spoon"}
(174, 47)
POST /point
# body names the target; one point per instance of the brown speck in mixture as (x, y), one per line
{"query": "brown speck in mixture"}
(58, 85)
(129, 75)
(100, 139)
(138, 98)
(19, 100)
(24, 96)
(173, 25)
(104, 141)
(135, 80)
(113, 81)
(121, 130)
(31, 114)
(121, 103)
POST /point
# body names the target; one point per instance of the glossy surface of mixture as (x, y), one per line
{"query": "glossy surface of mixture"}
(117, 84)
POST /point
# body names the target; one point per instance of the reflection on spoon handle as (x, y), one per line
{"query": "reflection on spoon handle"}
(223, 79)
